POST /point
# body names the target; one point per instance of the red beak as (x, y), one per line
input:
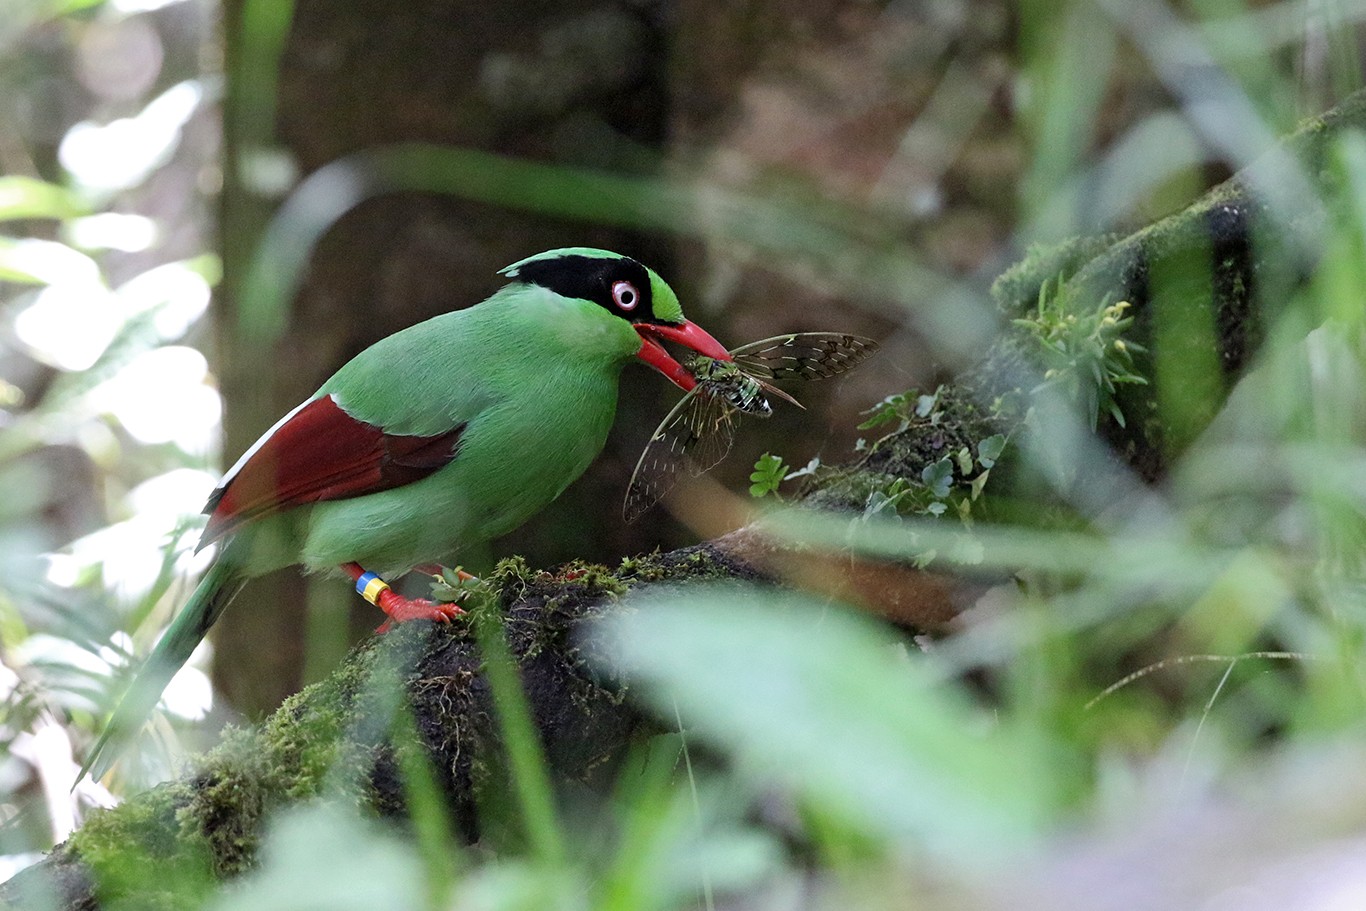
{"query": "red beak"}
(690, 335)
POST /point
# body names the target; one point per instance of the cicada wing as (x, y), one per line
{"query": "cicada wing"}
(803, 355)
(713, 423)
(697, 433)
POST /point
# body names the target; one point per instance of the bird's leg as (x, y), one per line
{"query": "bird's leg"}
(400, 609)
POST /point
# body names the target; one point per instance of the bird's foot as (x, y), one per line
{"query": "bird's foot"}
(400, 609)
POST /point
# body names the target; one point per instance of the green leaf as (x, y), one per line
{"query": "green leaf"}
(768, 473)
(964, 459)
(989, 450)
(27, 197)
(938, 477)
(527, 766)
(468, 591)
(336, 858)
(437, 846)
(925, 404)
(44, 262)
(978, 483)
(848, 720)
(892, 408)
(1117, 414)
(876, 503)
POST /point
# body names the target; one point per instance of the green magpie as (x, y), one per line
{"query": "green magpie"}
(445, 434)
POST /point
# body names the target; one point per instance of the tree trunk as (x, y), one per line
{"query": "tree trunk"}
(525, 79)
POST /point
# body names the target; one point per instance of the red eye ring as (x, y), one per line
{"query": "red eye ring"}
(625, 295)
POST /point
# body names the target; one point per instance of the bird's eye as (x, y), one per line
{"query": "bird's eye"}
(625, 295)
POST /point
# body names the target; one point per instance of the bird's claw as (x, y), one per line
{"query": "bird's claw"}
(402, 610)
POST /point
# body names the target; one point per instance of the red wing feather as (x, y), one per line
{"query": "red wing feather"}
(319, 452)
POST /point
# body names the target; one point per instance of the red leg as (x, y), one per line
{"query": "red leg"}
(400, 609)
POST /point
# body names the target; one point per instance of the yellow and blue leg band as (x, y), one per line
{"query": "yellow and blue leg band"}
(370, 586)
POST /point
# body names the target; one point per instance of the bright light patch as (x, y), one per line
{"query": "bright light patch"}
(69, 325)
(50, 753)
(162, 397)
(9, 682)
(121, 154)
(178, 293)
(12, 864)
(189, 695)
(131, 554)
(173, 495)
(47, 651)
(116, 653)
(113, 231)
(46, 262)
(269, 172)
(63, 570)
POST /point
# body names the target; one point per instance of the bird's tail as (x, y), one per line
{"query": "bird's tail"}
(223, 581)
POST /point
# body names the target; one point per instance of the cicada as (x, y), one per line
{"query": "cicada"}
(700, 429)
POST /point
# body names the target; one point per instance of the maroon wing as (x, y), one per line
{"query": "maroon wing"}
(319, 452)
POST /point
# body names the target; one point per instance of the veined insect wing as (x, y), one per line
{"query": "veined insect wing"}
(712, 421)
(803, 355)
(698, 432)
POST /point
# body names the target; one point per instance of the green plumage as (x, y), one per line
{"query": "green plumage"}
(531, 374)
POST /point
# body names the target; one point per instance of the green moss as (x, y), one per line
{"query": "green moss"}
(590, 579)
(1016, 290)
(693, 563)
(511, 575)
(642, 568)
(252, 772)
(187, 834)
(144, 854)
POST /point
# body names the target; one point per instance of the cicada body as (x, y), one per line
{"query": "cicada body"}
(743, 392)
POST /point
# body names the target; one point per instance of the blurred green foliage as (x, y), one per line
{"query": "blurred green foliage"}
(1167, 675)
(108, 420)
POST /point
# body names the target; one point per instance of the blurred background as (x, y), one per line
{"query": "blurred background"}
(206, 208)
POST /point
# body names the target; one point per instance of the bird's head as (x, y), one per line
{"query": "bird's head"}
(629, 291)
